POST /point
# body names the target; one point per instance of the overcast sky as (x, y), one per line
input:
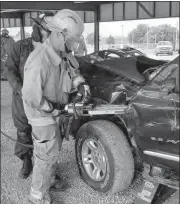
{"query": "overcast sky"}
(115, 28)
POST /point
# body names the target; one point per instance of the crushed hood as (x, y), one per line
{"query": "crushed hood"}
(130, 68)
(125, 67)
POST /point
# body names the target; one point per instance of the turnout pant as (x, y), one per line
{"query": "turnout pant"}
(23, 128)
(3, 67)
(47, 144)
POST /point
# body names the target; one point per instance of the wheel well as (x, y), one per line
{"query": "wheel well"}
(119, 122)
(121, 125)
(115, 119)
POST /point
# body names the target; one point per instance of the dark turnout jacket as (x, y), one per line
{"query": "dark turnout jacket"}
(16, 61)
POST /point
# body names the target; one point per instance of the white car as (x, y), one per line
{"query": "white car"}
(164, 47)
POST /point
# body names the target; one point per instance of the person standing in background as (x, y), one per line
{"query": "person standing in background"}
(81, 50)
(6, 46)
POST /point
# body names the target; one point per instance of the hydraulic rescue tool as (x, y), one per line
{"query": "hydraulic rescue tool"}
(80, 110)
(91, 110)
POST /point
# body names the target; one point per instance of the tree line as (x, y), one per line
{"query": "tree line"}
(90, 39)
(143, 33)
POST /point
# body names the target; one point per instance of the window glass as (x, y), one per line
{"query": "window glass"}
(164, 43)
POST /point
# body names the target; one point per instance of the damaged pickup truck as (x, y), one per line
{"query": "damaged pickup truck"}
(144, 123)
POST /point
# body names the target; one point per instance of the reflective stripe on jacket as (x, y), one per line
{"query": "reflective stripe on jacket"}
(47, 78)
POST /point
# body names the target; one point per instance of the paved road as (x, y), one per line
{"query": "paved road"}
(15, 191)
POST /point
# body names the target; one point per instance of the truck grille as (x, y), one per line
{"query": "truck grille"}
(165, 48)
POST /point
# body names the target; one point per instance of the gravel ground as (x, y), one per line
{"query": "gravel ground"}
(15, 191)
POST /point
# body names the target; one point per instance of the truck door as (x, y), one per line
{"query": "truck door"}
(157, 127)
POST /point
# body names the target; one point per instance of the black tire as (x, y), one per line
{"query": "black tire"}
(119, 157)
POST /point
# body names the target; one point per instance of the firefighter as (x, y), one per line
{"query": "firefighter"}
(14, 73)
(51, 72)
(6, 46)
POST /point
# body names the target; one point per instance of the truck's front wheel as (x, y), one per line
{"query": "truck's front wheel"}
(104, 156)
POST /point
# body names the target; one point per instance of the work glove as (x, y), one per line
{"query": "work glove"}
(84, 94)
(58, 106)
(57, 109)
(65, 123)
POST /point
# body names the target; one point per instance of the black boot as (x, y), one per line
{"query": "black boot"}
(26, 168)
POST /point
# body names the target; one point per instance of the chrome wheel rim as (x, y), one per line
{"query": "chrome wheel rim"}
(94, 159)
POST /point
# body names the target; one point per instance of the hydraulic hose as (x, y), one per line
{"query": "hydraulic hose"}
(10, 138)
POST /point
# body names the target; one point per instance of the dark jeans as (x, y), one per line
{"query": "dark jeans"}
(23, 128)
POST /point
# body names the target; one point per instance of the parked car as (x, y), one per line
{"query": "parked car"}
(164, 47)
(106, 146)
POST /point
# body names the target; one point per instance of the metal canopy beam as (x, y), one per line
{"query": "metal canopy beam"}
(144, 8)
(10, 15)
(127, 10)
(108, 10)
(48, 5)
